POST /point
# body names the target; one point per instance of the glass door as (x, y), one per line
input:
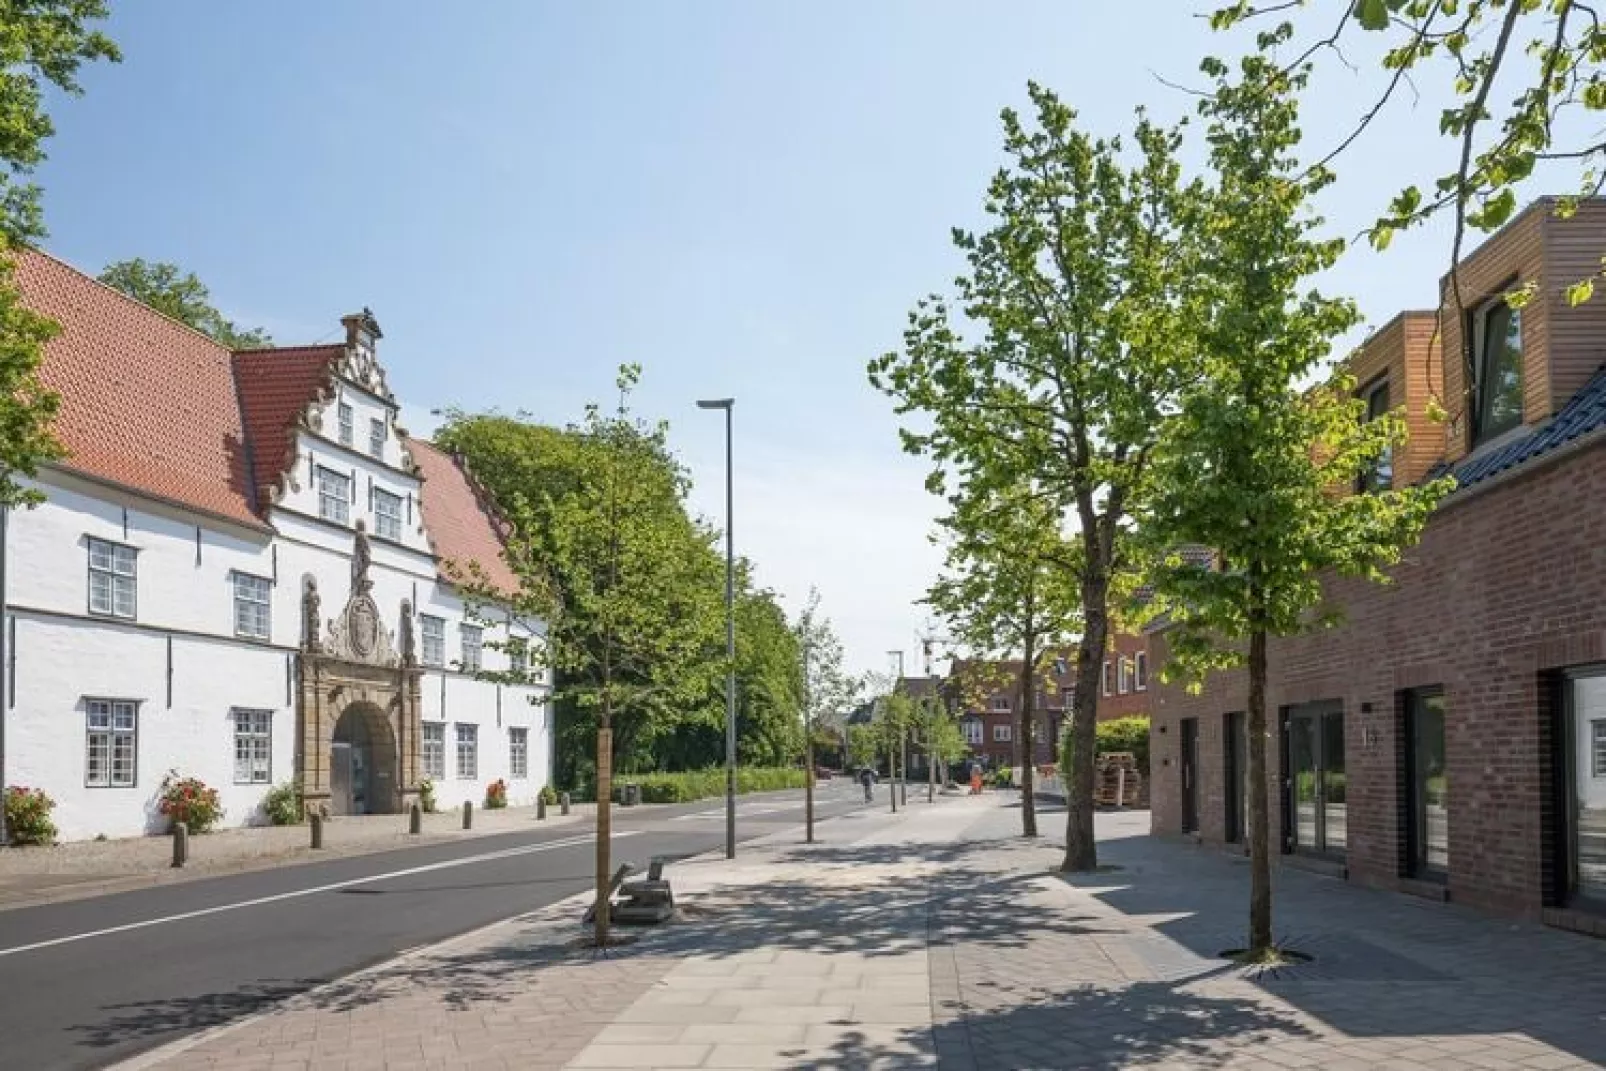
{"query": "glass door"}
(1429, 788)
(1586, 714)
(1190, 775)
(1316, 792)
(1236, 753)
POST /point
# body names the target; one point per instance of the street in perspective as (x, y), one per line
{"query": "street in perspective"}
(832, 536)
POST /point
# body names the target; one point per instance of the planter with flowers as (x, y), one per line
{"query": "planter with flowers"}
(191, 801)
(496, 795)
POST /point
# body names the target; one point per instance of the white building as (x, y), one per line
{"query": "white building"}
(240, 573)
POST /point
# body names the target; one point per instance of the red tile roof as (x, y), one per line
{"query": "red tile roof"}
(153, 405)
(276, 386)
(458, 518)
(147, 402)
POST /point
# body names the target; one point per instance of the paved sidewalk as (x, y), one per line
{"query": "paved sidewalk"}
(77, 869)
(940, 939)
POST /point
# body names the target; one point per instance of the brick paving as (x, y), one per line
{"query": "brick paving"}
(940, 940)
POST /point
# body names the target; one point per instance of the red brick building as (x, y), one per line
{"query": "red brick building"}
(988, 697)
(1449, 738)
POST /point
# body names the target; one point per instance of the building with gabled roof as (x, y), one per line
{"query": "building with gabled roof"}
(242, 571)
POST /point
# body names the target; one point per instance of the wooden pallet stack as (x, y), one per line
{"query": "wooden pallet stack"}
(1120, 783)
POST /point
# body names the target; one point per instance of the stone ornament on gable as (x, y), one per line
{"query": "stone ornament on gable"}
(358, 634)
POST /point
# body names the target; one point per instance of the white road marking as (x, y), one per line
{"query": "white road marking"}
(485, 857)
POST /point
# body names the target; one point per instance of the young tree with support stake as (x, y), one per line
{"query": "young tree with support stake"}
(1252, 465)
(1073, 290)
(631, 609)
(827, 689)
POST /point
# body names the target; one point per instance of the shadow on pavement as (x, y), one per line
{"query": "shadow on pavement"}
(1386, 967)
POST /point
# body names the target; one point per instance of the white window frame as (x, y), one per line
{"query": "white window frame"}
(1061, 667)
(518, 753)
(1003, 734)
(117, 566)
(1123, 674)
(973, 731)
(467, 738)
(253, 746)
(471, 639)
(111, 723)
(1104, 678)
(253, 606)
(347, 422)
(1000, 704)
(376, 437)
(432, 640)
(518, 656)
(434, 750)
(387, 525)
(334, 495)
(1140, 671)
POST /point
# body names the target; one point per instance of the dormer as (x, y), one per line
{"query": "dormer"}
(1509, 369)
(1397, 370)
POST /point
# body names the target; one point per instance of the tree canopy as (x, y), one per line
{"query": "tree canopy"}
(1055, 377)
(170, 290)
(42, 46)
(1250, 460)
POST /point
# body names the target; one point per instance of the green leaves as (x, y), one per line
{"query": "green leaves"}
(42, 45)
(181, 295)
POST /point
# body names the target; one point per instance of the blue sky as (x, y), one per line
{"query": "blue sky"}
(745, 198)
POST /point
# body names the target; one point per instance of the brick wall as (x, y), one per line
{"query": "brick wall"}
(1507, 586)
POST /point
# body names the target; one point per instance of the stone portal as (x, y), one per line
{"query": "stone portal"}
(358, 704)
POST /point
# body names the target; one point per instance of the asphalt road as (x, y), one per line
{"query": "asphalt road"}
(90, 982)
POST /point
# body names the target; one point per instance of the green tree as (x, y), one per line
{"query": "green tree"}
(42, 45)
(1010, 586)
(1073, 292)
(535, 474)
(769, 681)
(828, 690)
(1250, 462)
(936, 732)
(603, 564)
(173, 292)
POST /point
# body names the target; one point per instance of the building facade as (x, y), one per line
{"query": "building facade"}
(988, 698)
(1449, 737)
(240, 572)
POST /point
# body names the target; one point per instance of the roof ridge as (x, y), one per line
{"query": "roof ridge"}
(128, 298)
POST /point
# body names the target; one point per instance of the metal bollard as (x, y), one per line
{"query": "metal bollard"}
(1120, 788)
(181, 843)
(468, 814)
(415, 820)
(540, 808)
(316, 822)
(563, 803)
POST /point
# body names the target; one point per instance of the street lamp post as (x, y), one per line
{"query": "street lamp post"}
(808, 751)
(900, 754)
(728, 405)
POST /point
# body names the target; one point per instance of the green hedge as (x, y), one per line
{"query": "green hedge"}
(1121, 734)
(703, 784)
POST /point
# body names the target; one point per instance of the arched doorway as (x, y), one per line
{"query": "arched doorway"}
(362, 763)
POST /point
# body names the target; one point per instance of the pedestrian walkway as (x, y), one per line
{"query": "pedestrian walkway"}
(78, 869)
(938, 938)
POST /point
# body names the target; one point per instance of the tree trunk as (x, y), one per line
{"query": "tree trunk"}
(892, 776)
(1259, 807)
(903, 769)
(1081, 848)
(604, 827)
(1028, 744)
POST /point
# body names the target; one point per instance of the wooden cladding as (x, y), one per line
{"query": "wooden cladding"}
(1406, 351)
